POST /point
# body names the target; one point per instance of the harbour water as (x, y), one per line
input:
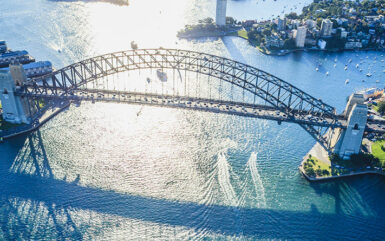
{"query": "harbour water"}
(101, 171)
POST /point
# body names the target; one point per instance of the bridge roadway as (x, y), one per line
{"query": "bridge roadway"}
(209, 105)
(285, 101)
(195, 103)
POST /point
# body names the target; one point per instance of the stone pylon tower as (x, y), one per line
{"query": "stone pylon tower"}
(15, 108)
(351, 138)
(220, 19)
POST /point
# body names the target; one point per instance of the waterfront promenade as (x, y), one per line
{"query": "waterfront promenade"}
(336, 171)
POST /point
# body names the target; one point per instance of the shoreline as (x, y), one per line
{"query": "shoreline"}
(319, 179)
(287, 51)
(263, 50)
(333, 177)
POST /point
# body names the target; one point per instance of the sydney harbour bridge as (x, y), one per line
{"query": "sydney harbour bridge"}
(191, 80)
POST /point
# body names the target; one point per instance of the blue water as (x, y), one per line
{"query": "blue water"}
(102, 172)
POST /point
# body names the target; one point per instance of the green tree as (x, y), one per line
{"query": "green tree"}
(364, 159)
(230, 20)
(289, 44)
(292, 15)
(310, 171)
(325, 172)
(266, 32)
(207, 21)
(381, 107)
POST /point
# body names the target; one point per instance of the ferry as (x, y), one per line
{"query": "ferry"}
(36, 69)
(17, 56)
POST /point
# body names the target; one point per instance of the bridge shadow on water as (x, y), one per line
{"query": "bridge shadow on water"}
(18, 189)
(233, 50)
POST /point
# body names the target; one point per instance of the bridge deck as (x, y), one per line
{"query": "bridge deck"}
(200, 104)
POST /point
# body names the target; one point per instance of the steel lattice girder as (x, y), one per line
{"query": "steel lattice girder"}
(269, 87)
(280, 94)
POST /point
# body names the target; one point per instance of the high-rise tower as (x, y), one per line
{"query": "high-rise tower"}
(221, 12)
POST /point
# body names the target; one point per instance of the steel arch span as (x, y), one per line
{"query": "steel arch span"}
(280, 95)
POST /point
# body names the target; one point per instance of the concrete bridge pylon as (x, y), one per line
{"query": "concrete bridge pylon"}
(220, 18)
(350, 139)
(15, 109)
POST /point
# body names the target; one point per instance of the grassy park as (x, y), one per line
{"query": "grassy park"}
(313, 167)
(378, 150)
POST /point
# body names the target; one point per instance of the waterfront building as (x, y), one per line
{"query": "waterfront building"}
(296, 23)
(15, 109)
(299, 36)
(274, 41)
(371, 93)
(220, 19)
(310, 42)
(353, 45)
(310, 24)
(344, 34)
(321, 44)
(281, 24)
(326, 28)
(3, 47)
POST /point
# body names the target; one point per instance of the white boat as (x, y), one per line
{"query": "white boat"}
(369, 75)
(360, 70)
(357, 65)
(327, 73)
(335, 65)
(346, 67)
(316, 69)
(134, 45)
(350, 60)
(347, 81)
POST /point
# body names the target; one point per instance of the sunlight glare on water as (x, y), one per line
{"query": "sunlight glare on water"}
(109, 171)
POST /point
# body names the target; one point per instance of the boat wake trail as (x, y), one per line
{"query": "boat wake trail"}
(224, 171)
(256, 178)
(224, 180)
